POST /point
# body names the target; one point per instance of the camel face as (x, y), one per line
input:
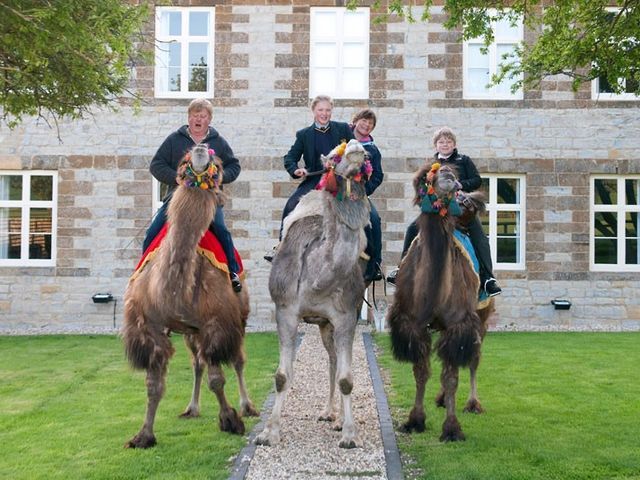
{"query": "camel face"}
(200, 158)
(445, 181)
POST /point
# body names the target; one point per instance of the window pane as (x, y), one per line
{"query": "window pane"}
(355, 24)
(502, 50)
(509, 191)
(40, 220)
(326, 55)
(198, 54)
(9, 245)
(507, 250)
(325, 23)
(477, 59)
(478, 80)
(606, 224)
(508, 224)
(604, 86)
(354, 55)
(10, 187)
(504, 30)
(631, 225)
(631, 191)
(175, 54)
(199, 23)
(606, 191)
(631, 254)
(170, 23)
(39, 246)
(606, 251)
(354, 79)
(198, 79)
(41, 187)
(325, 80)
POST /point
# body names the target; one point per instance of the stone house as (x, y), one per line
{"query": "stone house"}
(561, 168)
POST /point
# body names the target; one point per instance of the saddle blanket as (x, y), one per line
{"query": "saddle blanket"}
(463, 242)
(209, 247)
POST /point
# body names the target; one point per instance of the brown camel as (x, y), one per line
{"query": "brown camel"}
(437, 290)
(317, 277)
(180, 291)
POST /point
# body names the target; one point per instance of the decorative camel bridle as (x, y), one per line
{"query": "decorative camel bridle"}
(209, 179)
(331, 179)
(431, 202)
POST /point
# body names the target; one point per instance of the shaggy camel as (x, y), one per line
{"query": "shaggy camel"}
(180, 291)
(317, 277)
(437, 290)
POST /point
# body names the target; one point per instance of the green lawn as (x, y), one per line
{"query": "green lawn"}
(69, 403)
(558, 406)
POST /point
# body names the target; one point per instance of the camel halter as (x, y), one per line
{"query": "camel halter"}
(431, 202)
(331, 180)
(209, 179)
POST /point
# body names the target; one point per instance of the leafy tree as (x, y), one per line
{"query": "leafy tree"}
(584, 39)
(61, 57)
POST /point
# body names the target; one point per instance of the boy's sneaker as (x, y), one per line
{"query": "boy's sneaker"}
(235, 282)
(492, 288)
(393, 274)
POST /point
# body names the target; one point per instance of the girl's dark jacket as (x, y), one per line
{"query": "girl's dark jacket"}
(467, 172)
(164, 164)
(304, 147)
(377, 175)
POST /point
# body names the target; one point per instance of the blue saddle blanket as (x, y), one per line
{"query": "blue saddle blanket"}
(465, 242)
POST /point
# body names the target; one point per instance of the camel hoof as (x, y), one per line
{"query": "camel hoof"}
(190, 413)
(267, 439)
(141, 441)
(473, 406)
(347, 443)
(327, 417)
(250, 411)
(451, 431)
(231, 422)
(412, 426)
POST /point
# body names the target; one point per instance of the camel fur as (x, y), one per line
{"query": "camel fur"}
(180, 291)
(437, 290)
(317, 277)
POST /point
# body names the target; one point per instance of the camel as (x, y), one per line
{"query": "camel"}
(180, 291)
(437, 290)
(317, 277)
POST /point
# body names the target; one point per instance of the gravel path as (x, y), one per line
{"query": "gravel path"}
(309, 449)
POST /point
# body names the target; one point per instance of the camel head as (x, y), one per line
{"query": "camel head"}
(200, 168)
(348, 162)
(437, 190)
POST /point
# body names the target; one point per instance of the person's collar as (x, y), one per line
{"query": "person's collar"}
(321, 128)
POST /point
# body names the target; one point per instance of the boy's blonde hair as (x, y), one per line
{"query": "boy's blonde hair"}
(445, 132)
(321, 98)
(198, 104)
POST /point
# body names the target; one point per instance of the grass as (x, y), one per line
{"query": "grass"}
(558, 406)
(69, 403)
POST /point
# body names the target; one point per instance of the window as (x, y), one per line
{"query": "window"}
(601, 89)
(339, 53)
(505, 219)
(614, 223)
(480, 65)
(159, 191)
(184, 52)
(28, 213)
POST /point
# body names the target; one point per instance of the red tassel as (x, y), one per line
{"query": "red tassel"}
(331, 182)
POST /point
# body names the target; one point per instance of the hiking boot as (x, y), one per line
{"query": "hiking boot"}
(393, 274)
(235, 282)
(492, 288)
(270, 254)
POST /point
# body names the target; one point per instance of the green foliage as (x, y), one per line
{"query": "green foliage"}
(558, 406)
(582, 39)
(60, 58)
(69, 403)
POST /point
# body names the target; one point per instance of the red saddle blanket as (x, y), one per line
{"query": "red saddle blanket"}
(209, 247)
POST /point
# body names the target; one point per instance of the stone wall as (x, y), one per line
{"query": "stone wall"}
(556, 137)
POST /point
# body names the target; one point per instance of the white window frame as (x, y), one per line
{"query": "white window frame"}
(596, 94)
(184, 39)
(156, 201)
(25, 204)
(491, 93)
(620, 209)
(493, 207)
(339, 39)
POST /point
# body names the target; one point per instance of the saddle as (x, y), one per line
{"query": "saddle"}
(209, 247)
(463, 244)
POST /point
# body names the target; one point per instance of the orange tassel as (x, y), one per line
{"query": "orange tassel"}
(331, 181)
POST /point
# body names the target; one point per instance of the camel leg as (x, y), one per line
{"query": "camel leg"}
(417, 416)
(326, 333)
(228, 418)
(451, 429)
(287, 330)
(246, 406)
(155, 382)
(343, 338)
(193, 409)
(473, 403)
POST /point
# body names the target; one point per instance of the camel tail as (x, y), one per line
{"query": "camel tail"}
(459, 344)
(409, 341)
